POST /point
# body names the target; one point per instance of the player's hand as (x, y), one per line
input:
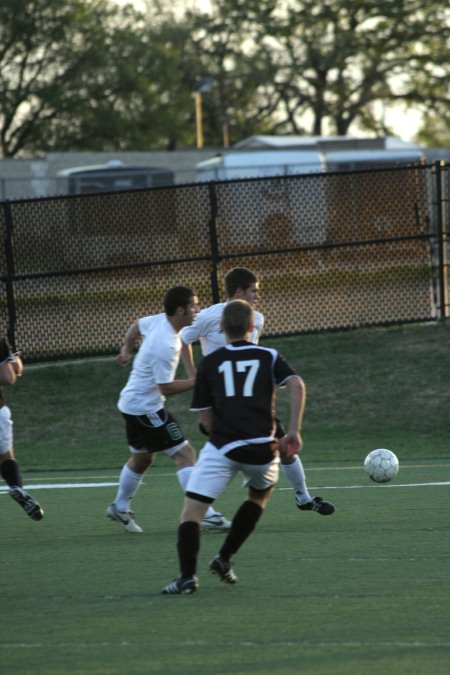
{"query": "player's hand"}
(124, 356)
(291, 444)
(17, 365)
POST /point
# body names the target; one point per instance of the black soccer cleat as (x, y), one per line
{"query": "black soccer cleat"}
(223, 569)
(318, 504)
(181, 586)
(27, 502)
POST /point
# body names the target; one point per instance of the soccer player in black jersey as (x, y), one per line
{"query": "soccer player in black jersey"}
(242, 284)
(235, 395)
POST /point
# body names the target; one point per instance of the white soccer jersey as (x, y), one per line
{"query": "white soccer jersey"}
(206, 328)
(155, 363)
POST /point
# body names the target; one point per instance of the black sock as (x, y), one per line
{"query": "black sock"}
(244, 522)
(11, 473)
(188, 547)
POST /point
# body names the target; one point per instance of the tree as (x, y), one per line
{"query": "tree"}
(83, 75)
(435, 130)
(430, 79)
(320, 67)
(93, 75)
(222, 44)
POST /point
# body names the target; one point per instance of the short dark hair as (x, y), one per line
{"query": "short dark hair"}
(178, 296)
(237, 319)
(238, 277)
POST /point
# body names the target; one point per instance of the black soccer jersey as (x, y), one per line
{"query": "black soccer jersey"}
(238, 382)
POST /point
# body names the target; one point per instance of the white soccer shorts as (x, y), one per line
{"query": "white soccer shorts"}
(213, 472)
(6, 430)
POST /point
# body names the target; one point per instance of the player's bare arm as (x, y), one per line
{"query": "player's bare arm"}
(292, 442)
(188, 360)
(131, 337)
(176, 387)
(206, 419)
(7, 374)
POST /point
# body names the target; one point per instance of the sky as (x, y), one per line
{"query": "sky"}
(405, 123)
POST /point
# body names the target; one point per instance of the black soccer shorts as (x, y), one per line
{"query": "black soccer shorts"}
(155, 432)
(280, 432)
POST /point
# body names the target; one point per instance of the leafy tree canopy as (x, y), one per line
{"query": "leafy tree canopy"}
(95, 75)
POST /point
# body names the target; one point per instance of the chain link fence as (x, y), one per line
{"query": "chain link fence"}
(332, 251)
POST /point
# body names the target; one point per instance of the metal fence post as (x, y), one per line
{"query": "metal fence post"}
(214, 243)
(442, 241)
(9, 279)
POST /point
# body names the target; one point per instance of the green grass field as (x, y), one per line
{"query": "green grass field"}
(364, 591)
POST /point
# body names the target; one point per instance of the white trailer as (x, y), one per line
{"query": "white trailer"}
(261, 156)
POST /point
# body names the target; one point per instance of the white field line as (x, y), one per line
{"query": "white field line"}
(445, 465)
(62, 486)
(356, 644)
(68, 486)
(379, 485)
(76, 362)
(169, 474)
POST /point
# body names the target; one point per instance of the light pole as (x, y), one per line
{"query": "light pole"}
(203, 86)
(225, 131)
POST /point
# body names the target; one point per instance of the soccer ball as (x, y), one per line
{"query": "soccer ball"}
(381, 465)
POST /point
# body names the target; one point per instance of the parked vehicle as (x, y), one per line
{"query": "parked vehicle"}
(260, 156)
(113, 176)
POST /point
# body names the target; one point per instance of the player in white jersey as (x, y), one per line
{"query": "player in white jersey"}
(235, 395)
(206, 327)
(242, 284)
(149, 426)
(11, 369)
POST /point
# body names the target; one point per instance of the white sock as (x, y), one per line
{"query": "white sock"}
(129, 483)
(210, 512)
(183, 478)
(296, 476)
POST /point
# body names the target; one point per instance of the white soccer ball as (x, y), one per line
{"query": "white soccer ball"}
(381, 465)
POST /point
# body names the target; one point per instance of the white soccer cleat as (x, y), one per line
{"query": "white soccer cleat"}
(125, 518)
(217, 522)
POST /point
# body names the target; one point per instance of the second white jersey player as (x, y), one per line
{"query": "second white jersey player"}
(206, 329)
